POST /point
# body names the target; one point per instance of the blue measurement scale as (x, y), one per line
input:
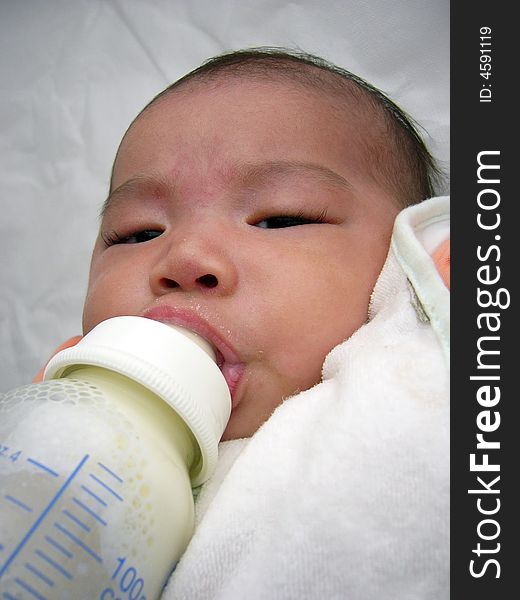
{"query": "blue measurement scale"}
(60, 537)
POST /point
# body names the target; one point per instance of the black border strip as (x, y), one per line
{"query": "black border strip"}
(483, 125)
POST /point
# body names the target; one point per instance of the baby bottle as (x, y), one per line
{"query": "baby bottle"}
(97, 463)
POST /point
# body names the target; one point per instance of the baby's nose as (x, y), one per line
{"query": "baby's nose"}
(195, 263)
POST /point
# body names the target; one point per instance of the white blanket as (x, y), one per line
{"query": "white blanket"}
(344, 492)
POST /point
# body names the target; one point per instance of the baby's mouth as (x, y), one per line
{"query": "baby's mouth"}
(226, 359)
(232, 374)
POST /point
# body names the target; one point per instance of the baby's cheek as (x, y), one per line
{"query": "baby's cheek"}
(90, 316)
(100, 303)
(300, 367)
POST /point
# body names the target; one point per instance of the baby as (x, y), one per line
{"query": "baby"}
(253, 202)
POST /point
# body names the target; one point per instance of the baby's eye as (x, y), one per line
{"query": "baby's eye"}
(112, 238)
(280, 221)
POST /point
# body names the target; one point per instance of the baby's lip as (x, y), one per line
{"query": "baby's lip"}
(226, 357)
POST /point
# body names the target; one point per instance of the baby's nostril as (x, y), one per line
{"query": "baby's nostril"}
(209, 281)
(169, 283)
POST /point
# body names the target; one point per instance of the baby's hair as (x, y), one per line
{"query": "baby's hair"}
(395, 152)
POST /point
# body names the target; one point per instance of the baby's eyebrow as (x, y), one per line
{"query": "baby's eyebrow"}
(250, 174)
(132, 186)
(255, 173)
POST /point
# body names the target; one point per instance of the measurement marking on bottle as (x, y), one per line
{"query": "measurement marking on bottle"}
(75, 519)
(18, 503)
(91, 493)
(58, 546)
(29, 589)
(39, 574)
(13, 457)
(128, 582)
(42, 516)
(107, 487)
(54, 564)
(110, 472)
(77, 541)
(43, 467)
(89, 511)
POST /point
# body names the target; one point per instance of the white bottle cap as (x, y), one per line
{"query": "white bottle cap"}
(173, 362)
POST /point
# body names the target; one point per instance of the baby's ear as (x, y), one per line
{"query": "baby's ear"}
(70, 342)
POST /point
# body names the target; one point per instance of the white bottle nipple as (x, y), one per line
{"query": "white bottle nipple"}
(200, 341)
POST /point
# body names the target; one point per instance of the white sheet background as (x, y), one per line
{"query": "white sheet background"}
(73, 73)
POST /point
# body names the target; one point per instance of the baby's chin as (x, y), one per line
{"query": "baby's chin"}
(238, 428)
(244, 422)
(252, 411)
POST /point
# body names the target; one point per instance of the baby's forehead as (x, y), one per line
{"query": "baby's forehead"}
(328, 91)
(262, 106)
(385, 140)
(259, 105)
(339, 116)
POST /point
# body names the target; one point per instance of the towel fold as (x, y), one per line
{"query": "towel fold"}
(344, 492)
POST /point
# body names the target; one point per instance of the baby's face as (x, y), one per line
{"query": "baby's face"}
(245, 214)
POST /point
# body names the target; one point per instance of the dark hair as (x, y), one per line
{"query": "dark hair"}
(398, 154)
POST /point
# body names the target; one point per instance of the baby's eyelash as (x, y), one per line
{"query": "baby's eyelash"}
(275, 221)
(301, 217)
(111, 237)
(319, 217)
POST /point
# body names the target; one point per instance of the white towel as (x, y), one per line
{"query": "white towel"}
(344, 492)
